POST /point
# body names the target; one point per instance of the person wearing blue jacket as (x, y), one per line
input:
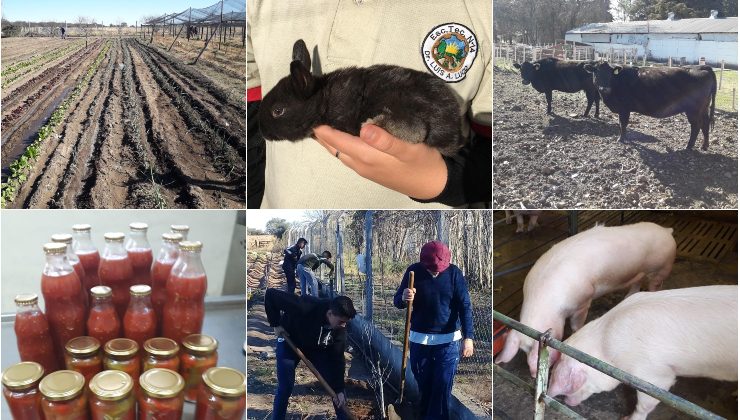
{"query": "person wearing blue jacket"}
(441, 319)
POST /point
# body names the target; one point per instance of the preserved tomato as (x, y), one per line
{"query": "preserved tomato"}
(122, 354)
(111, 396)
(74, 261)
(61, 289)
(140, 253)
(103, 323)
(184, 309)
(161, 352)
(83, 356)
(221, 396)
(161, 272)
(140, 323)
(83, 246)
(161, 397)
(116, 272)
(62, 396)
(199, 354)
(20, 389)
(32, 333)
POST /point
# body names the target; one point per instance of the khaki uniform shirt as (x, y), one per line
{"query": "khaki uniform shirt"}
(342, 33)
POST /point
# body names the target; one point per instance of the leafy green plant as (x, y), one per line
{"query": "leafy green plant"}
(12, 72)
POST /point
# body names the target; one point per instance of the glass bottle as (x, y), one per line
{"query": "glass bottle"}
(161, 272)
(62, 396)
(184, 307)
(83, 246)
(112, 397)
(181, 229)
(140, 323)
(160, 352)
(115, 271)
(61, 289)
(122, 354)
(221, 396)
(103, 322)
(199, 354)
(83, 355)
(21, 390)
(32, 333)
(161, 395)
(74, 261)
(139, 253)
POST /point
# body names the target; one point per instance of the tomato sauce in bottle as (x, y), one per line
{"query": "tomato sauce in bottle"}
(221, 396)
(184, 309)
(21, 391)
(83, 246)
(103, 322)
(139, 253)
(63, 397)
(140, 323)
(32, 333)
(61, 289)
(112, 397)
(161, 272)
(199, 353)
(161, 395)
(115, 271)
(74, 261)
(83, 355)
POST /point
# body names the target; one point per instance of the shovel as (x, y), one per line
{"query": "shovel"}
(404, 410)
(344, 409)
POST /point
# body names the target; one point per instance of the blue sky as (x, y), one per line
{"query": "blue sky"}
(106, 11)
(258, 218)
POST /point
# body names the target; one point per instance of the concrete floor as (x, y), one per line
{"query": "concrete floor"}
(512, 250)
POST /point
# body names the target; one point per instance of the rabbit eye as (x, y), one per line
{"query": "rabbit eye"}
(277, 112)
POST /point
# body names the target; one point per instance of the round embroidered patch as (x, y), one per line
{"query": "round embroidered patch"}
(449, 51)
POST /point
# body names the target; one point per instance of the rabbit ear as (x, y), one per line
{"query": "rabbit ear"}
(301, 79)
(300, 53)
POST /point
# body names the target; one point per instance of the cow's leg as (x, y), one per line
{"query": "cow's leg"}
(548, 96)
(590, 98)
(598, 99)
(695, 121)
(705, 130)
(624, 119)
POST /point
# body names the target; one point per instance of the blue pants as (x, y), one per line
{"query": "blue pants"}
(305, 274)
(289, 271)
(287, 361)
(434, 369)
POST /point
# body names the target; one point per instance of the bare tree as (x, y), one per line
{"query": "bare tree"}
(84, 24)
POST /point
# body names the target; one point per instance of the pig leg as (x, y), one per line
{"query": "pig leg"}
(646, 403)
(578, 319)
(532, 222)
(519, 223)
(635, 283)
(655, 280)
(509, 216)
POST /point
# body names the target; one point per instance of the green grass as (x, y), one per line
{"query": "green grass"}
(729, 87)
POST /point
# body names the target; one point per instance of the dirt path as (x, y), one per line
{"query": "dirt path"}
(568, 161)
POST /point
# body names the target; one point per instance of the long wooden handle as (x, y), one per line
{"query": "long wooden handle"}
(406, 337)
(311, 367)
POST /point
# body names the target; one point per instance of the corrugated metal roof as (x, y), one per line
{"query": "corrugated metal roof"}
(680, 26)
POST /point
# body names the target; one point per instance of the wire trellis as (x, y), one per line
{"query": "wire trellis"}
(223, 11)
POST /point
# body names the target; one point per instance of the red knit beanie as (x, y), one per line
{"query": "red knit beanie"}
(435, 256)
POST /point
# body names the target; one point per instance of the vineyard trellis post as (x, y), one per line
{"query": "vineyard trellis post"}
(369, 265)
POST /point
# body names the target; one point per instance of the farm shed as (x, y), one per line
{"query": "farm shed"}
(713, 38)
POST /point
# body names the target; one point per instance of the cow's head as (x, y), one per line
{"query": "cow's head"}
(603, 75)
(528, 71)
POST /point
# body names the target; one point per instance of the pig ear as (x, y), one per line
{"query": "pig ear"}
(536, 66)
(517, 66)
(617, 69)
(567, 378)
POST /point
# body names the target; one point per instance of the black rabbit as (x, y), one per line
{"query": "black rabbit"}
(412, 105)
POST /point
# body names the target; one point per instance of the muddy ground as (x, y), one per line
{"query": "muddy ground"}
(569, 161)
(148, 131)
(511, 402)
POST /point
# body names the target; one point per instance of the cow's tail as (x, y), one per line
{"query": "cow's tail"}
(714, 96)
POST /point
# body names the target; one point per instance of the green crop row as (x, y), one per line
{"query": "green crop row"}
(21, 167)
(36, 61)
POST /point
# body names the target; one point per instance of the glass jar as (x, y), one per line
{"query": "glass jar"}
(140, 322)
(115, 271)
(32, 333)
(161, 395)
(122, 354)
(112, 397)
(221, 396)
(181, 229)
(83, 355)
(139, 253)
(62, 396)
(74, 261)
(184, 309)
(161, 272)
(21, 390)
(199, 354)
(61, 289)
(87, 252)
(161, 352)
(103, 323)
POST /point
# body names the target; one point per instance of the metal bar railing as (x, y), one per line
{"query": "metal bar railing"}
(660, 394)
(552, 403)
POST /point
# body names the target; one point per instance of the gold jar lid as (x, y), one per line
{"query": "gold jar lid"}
(161, 346)
(63, 238)
(101, 291)
(161, 383)
(55, 248)
(26, 299)
(114, 237)
(140, 290)
(62, 385)
(225, 381)
(200, 344)
(22, 375)
(180, 228)
(83, 346)
(171, 237)
(81, 227)
(121, 347)
(138, 226)
(191, 246)
(111, 385)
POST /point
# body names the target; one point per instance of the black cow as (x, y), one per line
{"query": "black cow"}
(660, 93)
(550, 74)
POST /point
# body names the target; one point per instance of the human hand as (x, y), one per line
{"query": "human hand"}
(408, 294)
(280, 331)
(467, 350)
(413, 169)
